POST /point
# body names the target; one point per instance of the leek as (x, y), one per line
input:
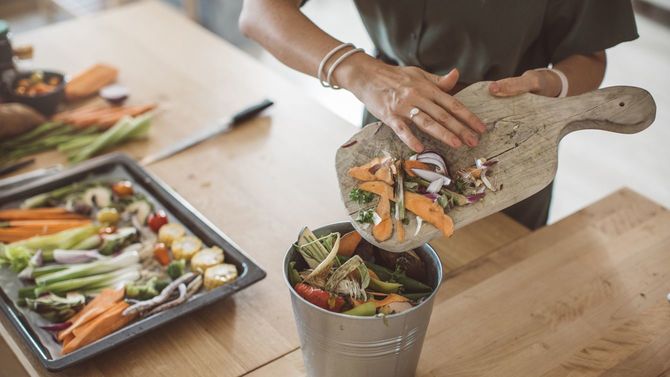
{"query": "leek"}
(91, 282)
(87, 269)
(61, 240)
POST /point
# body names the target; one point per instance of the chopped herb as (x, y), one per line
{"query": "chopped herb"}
(359, 196)
(366, 216)
(405, 221)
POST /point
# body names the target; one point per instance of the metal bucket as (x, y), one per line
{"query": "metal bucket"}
(334, 344)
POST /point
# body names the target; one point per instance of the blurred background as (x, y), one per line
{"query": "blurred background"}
(591, 163)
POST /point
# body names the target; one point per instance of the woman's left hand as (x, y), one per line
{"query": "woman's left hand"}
(543, 82)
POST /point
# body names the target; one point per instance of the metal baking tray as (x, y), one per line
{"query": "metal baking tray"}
(119, 166)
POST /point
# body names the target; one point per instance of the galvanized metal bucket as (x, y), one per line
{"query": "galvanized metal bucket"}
(334, 344)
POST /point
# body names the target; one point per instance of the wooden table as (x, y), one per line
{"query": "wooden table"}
(584, 296)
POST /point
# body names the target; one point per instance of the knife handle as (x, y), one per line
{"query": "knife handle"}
(251, 112)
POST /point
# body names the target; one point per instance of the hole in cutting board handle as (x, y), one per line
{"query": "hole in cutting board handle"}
(621, 104)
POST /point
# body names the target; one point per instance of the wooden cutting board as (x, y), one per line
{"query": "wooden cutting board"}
(523, 135)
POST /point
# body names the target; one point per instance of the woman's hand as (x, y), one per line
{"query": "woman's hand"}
(390, 93)
(544, 83)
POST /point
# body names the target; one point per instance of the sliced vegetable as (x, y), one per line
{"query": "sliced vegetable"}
(383, 286)
(104, 324)
(219, 275)
(293, 275)
(146, 290)
(319, 297)
(111, 243)
(98, 197)
(367, 309)
(108, 215)
(171, 232)
(62, 240)
(183, 247)
(206, 258)
(140, 209)
(118, 262)
(348, 243)
(101, 303)
(395, 308)
(55, 308)
(162, 254)
(409, 284)
(176, 268)
(123, 189)
(157, 220)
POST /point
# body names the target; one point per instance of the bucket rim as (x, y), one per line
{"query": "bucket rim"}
(433, 254)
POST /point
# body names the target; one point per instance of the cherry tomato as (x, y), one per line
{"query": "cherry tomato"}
(319, 297)
(156, 220)
(123, 188)
(161, 254)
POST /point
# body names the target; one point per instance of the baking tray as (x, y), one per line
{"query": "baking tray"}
(120, 166)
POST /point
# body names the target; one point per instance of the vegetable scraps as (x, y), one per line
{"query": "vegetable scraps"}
(420, 184)
(345, 274)
(115, 250)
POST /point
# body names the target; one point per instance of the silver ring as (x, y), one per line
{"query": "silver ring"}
(412, 113)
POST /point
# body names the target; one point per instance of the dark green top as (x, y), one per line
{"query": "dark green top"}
(493, 39)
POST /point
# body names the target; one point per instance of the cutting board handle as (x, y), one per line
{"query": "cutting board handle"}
(621, 109)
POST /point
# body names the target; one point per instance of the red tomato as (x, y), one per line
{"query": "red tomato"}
(319, 297)
(156, 220)
(123, 188)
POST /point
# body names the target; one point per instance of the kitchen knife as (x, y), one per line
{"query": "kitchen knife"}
(225, 126)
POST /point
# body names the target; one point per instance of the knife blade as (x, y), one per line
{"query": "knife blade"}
(223, 127)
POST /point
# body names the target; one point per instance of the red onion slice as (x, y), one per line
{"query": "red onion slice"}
(432, 176)
(57, 326)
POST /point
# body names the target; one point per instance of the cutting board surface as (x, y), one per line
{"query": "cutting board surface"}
(523, 135)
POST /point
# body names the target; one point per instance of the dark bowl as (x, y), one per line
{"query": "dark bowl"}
(46, 103)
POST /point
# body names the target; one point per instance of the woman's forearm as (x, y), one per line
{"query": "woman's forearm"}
(282, 29)
(584, 72)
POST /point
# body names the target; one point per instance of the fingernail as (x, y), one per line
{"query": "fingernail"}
(471, 140)
(494, 87)
(456, 142)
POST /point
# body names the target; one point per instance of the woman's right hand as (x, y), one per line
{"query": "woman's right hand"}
(390, 93)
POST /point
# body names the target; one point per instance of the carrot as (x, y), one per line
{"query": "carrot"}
(38, 214)
(392, 297)
(161, 254)
(42, 223)
(104, 117)
(377, 169)
(384, 229)
(63, 116)
(90, 81)
(103, 325)
(105, 300)
(408, 165)
(417, 204)
(111, 119)
(16, 230)
(68, 339)
(348, 243)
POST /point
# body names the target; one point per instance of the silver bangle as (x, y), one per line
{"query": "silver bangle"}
(337, 62)
(325, 59)
(562, 77)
